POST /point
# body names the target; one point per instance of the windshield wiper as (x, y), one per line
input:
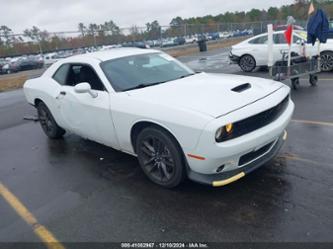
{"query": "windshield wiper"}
(143, 86)
(187, 75)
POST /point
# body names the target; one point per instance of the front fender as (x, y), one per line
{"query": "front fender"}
(185, 125)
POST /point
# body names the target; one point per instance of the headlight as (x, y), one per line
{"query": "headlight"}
(224, 132)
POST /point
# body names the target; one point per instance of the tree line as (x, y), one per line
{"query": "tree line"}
(35, 40)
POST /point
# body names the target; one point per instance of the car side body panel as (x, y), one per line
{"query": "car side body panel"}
(260, 51)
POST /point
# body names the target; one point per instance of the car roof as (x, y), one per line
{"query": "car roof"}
(113, 54)
(280, 32)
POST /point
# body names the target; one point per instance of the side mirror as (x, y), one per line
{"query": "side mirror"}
(85, 88)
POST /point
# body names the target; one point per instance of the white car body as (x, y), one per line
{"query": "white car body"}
(192, 109)
(259, 49)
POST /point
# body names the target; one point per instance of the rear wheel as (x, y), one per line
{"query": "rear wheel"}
(247, 63)
(49, 125)
(313, 79)
(160, 157)
(326, 61)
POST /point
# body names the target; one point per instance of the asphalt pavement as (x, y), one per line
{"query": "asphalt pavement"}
(85, 192)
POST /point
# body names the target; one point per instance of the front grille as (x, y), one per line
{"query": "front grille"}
(254, 154)
(257, 121)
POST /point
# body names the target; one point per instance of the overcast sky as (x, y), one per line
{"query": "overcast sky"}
(64, 15)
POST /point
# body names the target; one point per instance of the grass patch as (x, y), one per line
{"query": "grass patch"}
(177, 52)
(12, 82)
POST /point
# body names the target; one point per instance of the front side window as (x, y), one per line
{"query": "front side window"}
(73, 74)
(297, 39)
(143, 70)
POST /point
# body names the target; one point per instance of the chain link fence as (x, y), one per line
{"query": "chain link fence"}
(154, 36)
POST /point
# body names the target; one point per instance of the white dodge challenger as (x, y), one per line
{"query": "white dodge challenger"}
(211, 128)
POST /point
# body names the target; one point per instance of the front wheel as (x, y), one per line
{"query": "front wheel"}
(247, 63)
(295, 83)
(49, 125)
(160, 157)
(326, 61)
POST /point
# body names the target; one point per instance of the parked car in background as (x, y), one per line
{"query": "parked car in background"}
(22, 64)
(212, 128)
(2, 63)
(179, 41)
(12, 66)
(169, 42)
(135, 44)
(30, 62)
(50, 58)
(225, 34)
(191, 39)
(215, 35)
(253, 52)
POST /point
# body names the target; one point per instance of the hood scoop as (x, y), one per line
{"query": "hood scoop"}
(241, 88)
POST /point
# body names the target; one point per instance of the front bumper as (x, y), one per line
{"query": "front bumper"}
(234, 59)
(222, 179)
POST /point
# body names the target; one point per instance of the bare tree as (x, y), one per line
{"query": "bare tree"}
(36, 35)
(6, 34)
(82, 29)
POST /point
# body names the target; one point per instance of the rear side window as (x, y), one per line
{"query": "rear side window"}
(259, 40)
(61, 75)
(279, 39)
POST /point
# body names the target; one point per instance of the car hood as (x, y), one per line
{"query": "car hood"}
(209, 94)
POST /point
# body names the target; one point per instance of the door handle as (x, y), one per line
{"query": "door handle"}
(62, 93)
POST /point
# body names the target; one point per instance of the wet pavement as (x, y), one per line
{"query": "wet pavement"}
(83, 191)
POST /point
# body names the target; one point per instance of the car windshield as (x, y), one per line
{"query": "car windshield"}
(143, 70)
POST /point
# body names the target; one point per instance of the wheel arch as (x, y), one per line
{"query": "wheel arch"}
(326, 51)
(37, 101)
(142, 124)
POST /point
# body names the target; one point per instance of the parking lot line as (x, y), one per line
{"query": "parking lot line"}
(45, 235)
(311, 122)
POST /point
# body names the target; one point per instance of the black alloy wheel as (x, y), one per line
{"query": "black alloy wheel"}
(247, 63)
(49, 125)
(326, 61)
(160, 157)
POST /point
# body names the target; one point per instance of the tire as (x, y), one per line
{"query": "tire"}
(326, 61)
(247, 63)
(295, 83)
(160, 157)
(47, 122)
(313, 79)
